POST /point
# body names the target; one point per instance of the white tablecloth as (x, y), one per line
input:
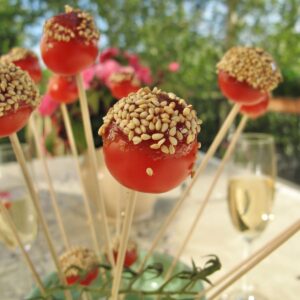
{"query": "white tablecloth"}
(277, 277)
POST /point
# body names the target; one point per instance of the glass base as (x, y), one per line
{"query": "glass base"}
(243, 295)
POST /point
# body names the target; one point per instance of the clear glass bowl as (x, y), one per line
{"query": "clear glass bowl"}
(146, 282)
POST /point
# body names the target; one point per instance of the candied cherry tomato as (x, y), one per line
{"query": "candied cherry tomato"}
(32, 66)
(63, 89)
(131, 255)
(123, 88)
(128, 163)
(14, 120)
(69, 42)
(256, 110)
(150, 140)
(239, 92)
(86, 281)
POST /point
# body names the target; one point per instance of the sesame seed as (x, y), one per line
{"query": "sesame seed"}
(161, 141)
(158, 125)
(172, 131)
(136, 140)
(164, 127)
(173, 140)
(190, 138)
(164, 149)
(186, 111)
(145, 137)
(157, 136)
(149, 171)
(130, 135)
(154, 146)
(151, 126)
(171, 149)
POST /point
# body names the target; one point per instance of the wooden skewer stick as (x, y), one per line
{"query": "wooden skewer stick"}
(129, 212)
(94, 164)
(209, 154)
(35, 200)
(86, 202)
(220, 169)
(53, 197)
(255, 258)
(25, 255)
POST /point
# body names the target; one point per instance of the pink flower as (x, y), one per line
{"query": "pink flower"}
(47, 106)
(88, 75)
(144, 74)
(133, 59)
(174, 66)
(104, 70)
(108, 54)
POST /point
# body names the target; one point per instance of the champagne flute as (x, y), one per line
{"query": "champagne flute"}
(250, 196)
(14, 195)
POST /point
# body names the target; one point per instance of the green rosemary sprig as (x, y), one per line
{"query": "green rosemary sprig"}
(186, 287)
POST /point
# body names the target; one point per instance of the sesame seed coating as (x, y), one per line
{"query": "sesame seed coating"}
(78, 258)
(16, 89)
(155, 118)
(252, 65)
(81, 25)
(125, 75)
(16, 54)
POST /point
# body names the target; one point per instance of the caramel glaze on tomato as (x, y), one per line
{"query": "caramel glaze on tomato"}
(69, 42)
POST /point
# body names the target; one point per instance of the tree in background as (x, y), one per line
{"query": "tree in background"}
(193, 33)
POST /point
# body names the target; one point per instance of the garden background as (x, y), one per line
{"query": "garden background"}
(194, 34)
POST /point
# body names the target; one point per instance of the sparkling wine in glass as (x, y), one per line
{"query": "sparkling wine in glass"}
(250, 195)
(16, 199)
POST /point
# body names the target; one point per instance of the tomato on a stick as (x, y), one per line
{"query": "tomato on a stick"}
(150, 140)
(80, 265)
(18, 98)
(246, 74)
(63, 89)
(69, 42)
(26, 60)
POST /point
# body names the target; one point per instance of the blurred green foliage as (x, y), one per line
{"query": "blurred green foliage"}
(193, 32)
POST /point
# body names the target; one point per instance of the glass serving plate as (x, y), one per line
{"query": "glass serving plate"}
(146, 282)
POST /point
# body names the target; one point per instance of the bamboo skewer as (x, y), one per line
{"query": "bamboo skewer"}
(220, 169)
(35, 199)
(86, 203)
(129, 212)
(253, 260)
(209, 154)
(25, 255)
(53, 197)
(93, 164)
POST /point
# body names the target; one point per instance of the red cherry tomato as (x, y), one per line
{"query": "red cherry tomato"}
(123, 88)
(68, 57)
(63, 89)
(131, 257)
(128, 162)
(256, 110)
(14, 120)
(86, 281)
(32, 66)
(239, 92)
